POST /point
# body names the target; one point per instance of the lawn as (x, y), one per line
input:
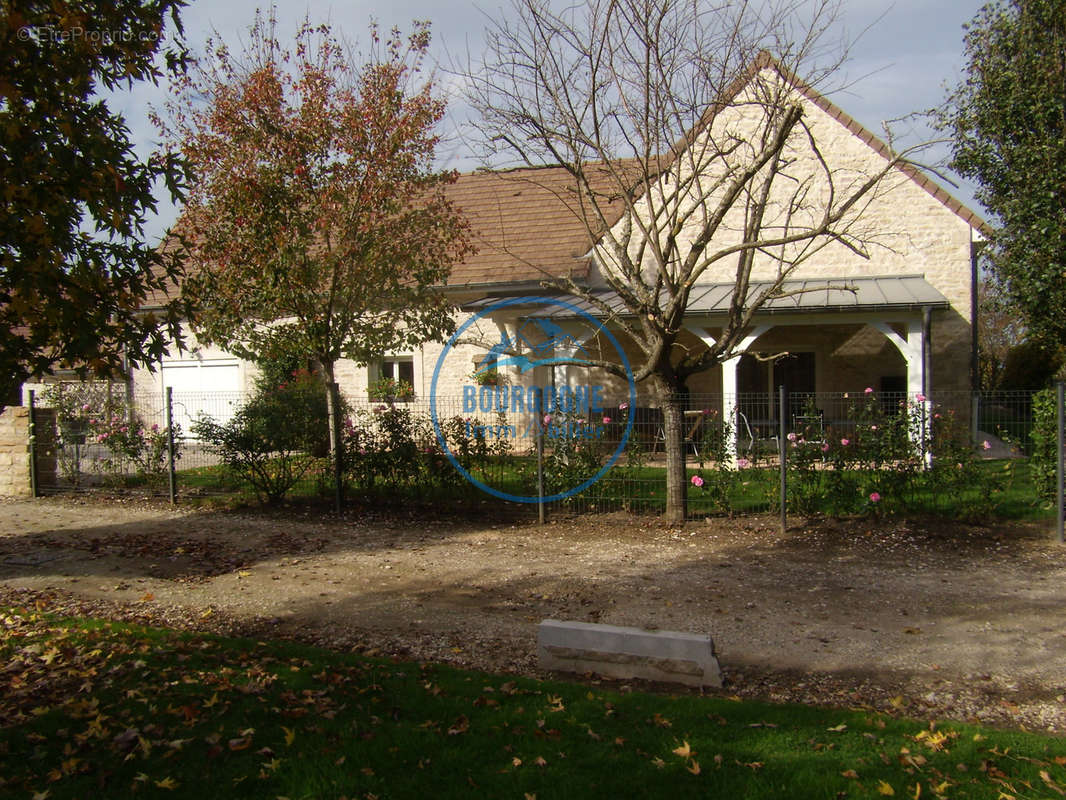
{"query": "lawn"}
(94, 708)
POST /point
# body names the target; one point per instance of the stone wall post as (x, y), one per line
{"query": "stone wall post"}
(15, 458)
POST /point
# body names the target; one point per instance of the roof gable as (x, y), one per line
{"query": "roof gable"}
(528, 225)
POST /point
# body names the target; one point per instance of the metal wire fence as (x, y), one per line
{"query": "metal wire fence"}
(565, 451)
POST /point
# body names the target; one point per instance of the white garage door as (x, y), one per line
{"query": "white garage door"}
(209, 387)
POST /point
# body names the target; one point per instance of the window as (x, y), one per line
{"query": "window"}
(399, 368)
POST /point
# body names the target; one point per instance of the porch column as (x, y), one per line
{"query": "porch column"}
(913, 350)
(729, 380)
(729, 404)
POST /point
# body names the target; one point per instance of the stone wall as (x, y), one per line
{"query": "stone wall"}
(15, 450)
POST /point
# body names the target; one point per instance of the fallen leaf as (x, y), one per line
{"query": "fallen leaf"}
(1045, 776)
(684, 750)
(693, 766)
(461, 725)
(850, 773)
(290, 736)
(167, 783)
(838, 729)
(885, 788)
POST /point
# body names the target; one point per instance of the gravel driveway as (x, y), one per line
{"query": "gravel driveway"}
(931, 618)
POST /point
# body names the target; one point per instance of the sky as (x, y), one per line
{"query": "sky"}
(907, 54)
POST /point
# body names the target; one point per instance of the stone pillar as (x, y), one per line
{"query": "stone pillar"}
(15, 450)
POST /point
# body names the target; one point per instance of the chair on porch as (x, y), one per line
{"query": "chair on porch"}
(756, 442)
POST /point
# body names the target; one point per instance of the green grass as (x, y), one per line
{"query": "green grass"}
(101, 709)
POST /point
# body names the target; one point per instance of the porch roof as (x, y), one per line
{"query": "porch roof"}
(804, 295)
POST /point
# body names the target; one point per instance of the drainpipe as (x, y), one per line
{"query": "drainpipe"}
(927, 349)
(975, 364)
(927, 366)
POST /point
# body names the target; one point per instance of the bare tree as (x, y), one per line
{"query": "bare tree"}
(682, 125)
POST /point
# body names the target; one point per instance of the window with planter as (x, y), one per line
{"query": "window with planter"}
(395, 380)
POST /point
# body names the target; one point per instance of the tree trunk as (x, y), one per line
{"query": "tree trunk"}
(336, 445)
(334, 411)
(674, 435)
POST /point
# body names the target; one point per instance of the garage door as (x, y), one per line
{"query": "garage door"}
(209, 387)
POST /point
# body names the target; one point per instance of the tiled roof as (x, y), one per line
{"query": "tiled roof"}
(528, 226)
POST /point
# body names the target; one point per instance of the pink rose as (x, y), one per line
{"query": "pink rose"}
(697, 480)
(868, 390)
(743, 462)
(606, 420)
(875, 497)
(845, 442)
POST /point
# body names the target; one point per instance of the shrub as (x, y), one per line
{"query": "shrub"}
(397, 447)
(1045, 444)
(275, 437)
(884, 456)
(131, 441)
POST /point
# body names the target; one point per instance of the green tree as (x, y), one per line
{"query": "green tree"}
(75, 269)
(1008, 122)
(317, 224)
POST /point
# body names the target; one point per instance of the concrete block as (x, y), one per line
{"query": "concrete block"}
(619, 652)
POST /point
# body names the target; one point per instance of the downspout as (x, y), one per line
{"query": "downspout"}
(927, 348)
(975, 364)
(927, 365)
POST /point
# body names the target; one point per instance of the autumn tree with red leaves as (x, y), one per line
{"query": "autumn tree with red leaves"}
(316, 223)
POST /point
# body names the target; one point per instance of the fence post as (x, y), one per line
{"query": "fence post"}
(975, 418)
(33, 444)
(782, 432)
(172, 475)
(1060, 473)
(540, 466)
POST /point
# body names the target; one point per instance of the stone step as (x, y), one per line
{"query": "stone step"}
(619, 652)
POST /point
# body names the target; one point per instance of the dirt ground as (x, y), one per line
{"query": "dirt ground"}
(932, 619)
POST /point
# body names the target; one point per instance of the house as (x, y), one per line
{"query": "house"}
(897, 319)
